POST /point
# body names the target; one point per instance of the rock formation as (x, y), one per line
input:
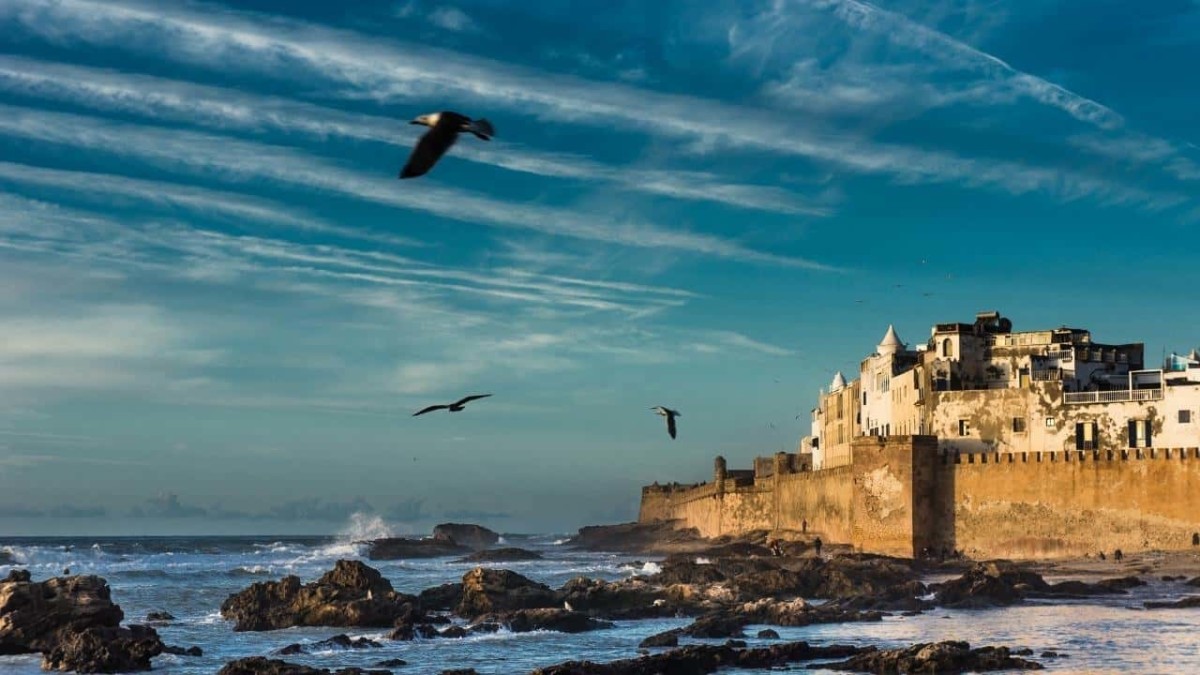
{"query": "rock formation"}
(352, 594)
(487, 591)
(502, 555)
(474, 537)
(261, 665)
(940, 657)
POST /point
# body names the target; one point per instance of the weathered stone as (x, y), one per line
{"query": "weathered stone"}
(445, 597)
(261, 665)
(472, 536)
(487, 591)
(352, 594)
(767, 634)
(656, 537)
(159, 617)
(634, 598)
(940, 657)
(341, 641)
(181, 651)
(34, 615)
(502, 555)
(103, 649)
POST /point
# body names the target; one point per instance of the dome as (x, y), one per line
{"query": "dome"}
(891, 342)
(839, 382)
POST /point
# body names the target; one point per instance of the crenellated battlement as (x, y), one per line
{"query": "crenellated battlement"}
(903, 495)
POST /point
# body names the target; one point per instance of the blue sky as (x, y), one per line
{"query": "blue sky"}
(218, 307)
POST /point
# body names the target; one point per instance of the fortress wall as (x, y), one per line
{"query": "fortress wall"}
(886, 517)
(823, 498)
(1065, 503)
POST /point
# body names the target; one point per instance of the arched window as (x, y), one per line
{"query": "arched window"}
(947, 348)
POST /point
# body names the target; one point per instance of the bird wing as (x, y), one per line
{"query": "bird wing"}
(430, 148)
(431, 408)
(467, 399)
(671, 425)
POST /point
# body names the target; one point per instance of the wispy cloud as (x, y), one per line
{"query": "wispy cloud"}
(236, 161)
(453, 19)
(358, 66)
(230, 110)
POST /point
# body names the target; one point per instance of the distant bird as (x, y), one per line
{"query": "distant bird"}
(457, 406)
(670, 415)
(444, 128)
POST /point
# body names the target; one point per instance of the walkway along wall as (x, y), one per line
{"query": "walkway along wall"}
(901, 495)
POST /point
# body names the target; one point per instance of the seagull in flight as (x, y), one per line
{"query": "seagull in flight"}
(444, 128)
(457, 406)
(670, 415)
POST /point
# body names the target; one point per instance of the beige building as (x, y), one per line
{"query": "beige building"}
(981, 387)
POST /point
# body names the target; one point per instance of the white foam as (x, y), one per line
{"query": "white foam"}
(703, 561)
(649, 568)
(365, 527)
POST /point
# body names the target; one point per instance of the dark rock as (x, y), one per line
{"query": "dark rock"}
(668, 638)
(487, 591)
(34, 615)
(472, 536)
(657, 537)
(485, 627)
(336, 642)
(391, 663)
(103, 649)
(1191, 582)
(634, 598)
(396, 548)
(560, 620)
(699, 659)
(454, 632)
(412, 622)
(797, 612)
(6, 558)
(180, 651)
(445, 597)
(502, 555)
(1186, 603)
(1051, 654)
(940, 657)
(736, 644)
(1024, 651)
(768, 634)
(460, 671)
(159, 617)
(261, 665)
(352, 594)
(1123, 583)
(989, 585)
(717, 625)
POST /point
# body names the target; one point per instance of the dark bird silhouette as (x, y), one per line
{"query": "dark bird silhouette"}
(457, 406)
(444, 128)
(670, 415)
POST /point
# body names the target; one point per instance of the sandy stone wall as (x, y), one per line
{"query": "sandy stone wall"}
(1072, 503)
(902, 495)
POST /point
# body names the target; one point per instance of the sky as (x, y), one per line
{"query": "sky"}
(219, 307)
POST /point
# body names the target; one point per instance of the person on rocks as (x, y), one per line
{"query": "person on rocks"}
(1117, 555)
(804, 527)
(1102, 556)
(776, 548)
(1196, 539)
(817, 546)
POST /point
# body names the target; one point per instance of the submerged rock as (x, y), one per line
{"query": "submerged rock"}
(181, 651)
(342, 641)
(159, 617)
(698, 659)
(261, 665)
(502, 555)
(940, 657)
(352, 594)
(398, 548)
(1185, 603)
(558, 620)
(656, 537)
(472, 536)
(488, 591)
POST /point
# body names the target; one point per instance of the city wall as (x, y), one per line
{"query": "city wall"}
(900, 495)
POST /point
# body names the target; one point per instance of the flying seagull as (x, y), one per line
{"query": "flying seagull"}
(670, 415)
(457, 406)
(444, 128)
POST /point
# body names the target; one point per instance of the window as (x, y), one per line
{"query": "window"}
(947, 348)
(1050, 422)
(1139, 433)
(1019, 425)
(1085, 436)
(964, 428)
(1185, 416)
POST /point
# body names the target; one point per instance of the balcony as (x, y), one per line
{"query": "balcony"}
(1118, 396)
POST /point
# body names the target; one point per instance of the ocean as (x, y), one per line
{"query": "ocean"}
(190, 577)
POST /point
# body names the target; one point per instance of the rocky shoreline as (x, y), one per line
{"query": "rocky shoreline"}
(723, 586)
